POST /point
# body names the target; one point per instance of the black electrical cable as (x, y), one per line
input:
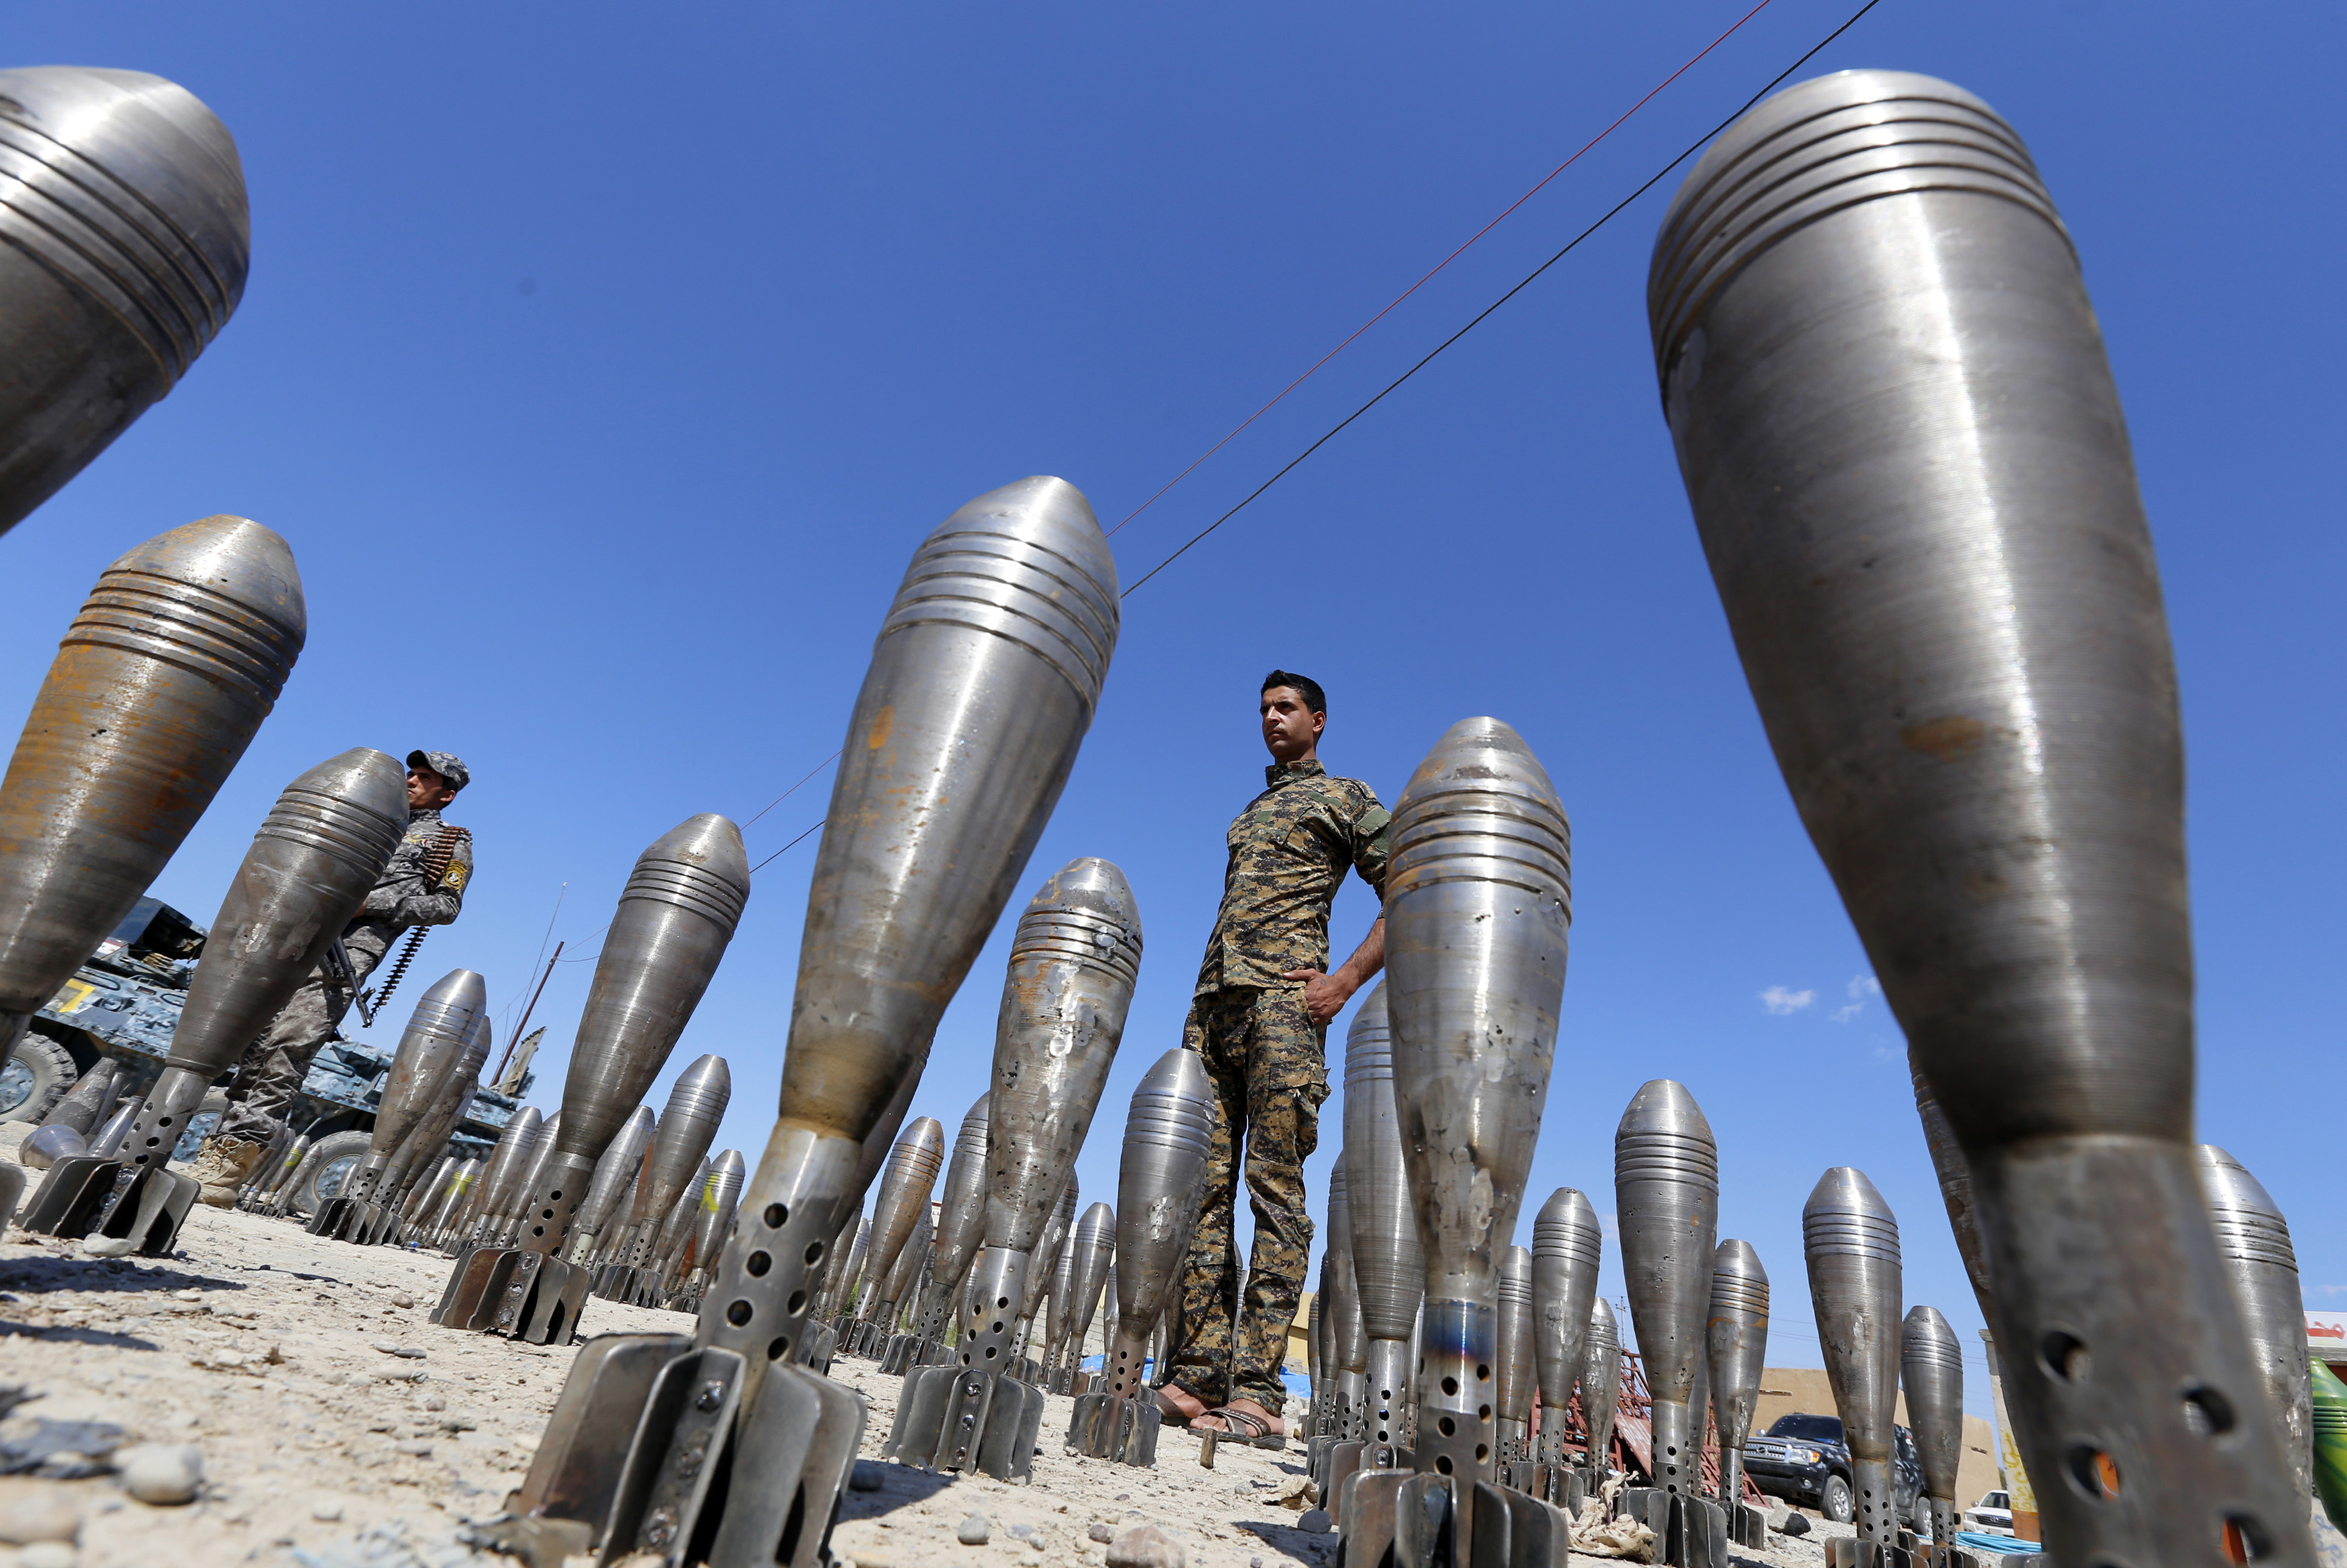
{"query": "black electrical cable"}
(1611, 213)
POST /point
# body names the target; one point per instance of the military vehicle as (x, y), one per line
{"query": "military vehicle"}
(125, 1002)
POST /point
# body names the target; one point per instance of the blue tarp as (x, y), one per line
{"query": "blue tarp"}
(2006, 1545)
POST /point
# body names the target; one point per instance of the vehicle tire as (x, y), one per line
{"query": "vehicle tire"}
(1836, 1502)
(41, 1073)
(1918, 1517)
(328, 1164)
(200, 1124)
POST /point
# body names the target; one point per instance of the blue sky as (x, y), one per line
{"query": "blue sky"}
(603, 367)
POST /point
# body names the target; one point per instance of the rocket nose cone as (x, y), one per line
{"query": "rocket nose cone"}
(1095, 886)
(1515, 1274)
(529, 1119)
(709, 841)
(729, 1164)
(1099, 1221)
(1928, 1340)
(706, 1080)
(1738, 1261)
(1845, 1190)
(1568, 1207)
(1602, 1323)
(459, 990)
(1487, 756)
(159, 139)
(362, 777)
(237, 559)
(1051, 511)
(923, 1139)
(1663, 1107)
(2230, 1185)
(1180, 1072)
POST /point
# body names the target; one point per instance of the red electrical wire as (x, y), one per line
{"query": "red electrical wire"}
(1446, 261)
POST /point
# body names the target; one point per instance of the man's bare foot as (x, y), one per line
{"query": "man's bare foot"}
(1191, 1405)
(1269, 1425)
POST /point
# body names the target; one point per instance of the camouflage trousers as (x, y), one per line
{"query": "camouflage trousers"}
(275, 1066)
(1269, 1063)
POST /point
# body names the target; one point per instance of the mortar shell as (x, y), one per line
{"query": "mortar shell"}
(124, 243)
(160, 682)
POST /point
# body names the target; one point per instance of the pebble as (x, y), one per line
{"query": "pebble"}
(109, 1245)
(159, 1472)
(1145, 1546)
(402, 1299)
(1315, 1522)
(48, 1554)
(384, 1346)
(866, 1477)
(1100, 1533)
(434, 1402)
(974, 1530)
(187, 1295)
(413, 1449)
(1255, 1563)
(408, 1352)
(326, 1512)
(33, 1510)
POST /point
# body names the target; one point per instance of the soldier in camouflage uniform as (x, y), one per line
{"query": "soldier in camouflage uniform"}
(416, 889)
(1259, 1017)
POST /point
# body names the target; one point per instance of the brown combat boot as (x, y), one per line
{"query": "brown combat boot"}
(222, 1165)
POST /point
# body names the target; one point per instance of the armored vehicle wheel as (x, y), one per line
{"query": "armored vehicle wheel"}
(1836, 1502)
(328, 1164)
(36, 1079)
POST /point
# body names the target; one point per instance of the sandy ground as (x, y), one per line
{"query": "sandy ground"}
(339, 1429)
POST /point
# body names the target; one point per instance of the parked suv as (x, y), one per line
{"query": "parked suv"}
(1802, 1458)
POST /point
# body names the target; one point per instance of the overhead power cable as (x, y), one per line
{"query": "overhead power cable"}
(1692, 61)
(1478, 320)
(1570, 246)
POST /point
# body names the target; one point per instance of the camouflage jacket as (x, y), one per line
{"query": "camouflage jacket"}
(401, 897)
(1288, 853)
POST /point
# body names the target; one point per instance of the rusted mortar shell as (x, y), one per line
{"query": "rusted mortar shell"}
(1074, 961)
(431, 1048)
(906, 1181)
(2262, 1267)
(541, 1156)
(1600, 1381)
(165, 674)
(912, 1260)
(676, 1227)
(680, 1140)
(1567, 1246)
(677, 914)
(1063, 1287)
(1388, 1265)
(319, 851)
(450, 1099)
(500, 1183)
(1350, 1339)
(615, 1178)
(718, 1197)
(961, 1221)
(1518, 1371)
(1932, 1366)
(123, 248)
(1910, 468)
(1948, 1163)
(1477, 906)
(1167, 1134)
(80, 1109)
(1667, 1193)
(1851, 1242)
(1095, 1253)
(1736, 1340)
(1047, 1249)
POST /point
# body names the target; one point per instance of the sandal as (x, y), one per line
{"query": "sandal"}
(1169, 1414)
(1240, 1427)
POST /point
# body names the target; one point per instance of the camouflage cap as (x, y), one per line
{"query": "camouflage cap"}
(446, 764)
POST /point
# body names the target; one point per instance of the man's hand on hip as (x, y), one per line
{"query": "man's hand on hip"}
(1325, 995)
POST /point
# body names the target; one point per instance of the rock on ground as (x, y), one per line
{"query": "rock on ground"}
(256, 1348)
